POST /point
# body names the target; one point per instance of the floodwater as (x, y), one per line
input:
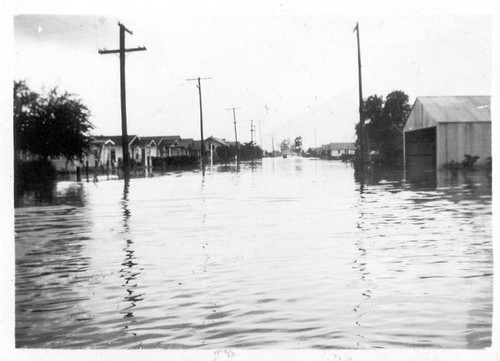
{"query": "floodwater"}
(290, 254)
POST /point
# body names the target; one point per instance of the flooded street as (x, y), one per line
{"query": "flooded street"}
(290, 254)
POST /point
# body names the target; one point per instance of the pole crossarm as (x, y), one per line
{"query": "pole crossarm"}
(196, 79)
(117, 51)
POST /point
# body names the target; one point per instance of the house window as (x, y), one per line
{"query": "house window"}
(113, 155)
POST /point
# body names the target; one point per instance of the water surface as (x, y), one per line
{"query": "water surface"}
(290, 253)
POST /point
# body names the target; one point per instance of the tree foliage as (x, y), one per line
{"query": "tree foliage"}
(246, 151)
(51, 124)
(297, 145)
(285, 146)
(384, 122)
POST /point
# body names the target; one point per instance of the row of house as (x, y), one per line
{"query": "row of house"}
(107, 151)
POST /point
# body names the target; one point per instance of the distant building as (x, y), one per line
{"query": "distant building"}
(443, 129)
(338, 149)
(145, 148)
(108, 150)
(168, 146)
(212, 143)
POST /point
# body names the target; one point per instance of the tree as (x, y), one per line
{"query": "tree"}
(50, 125)
(297, 145)
(24, 109)
(250, 151)
(225, 153)
(384, 125)
(285, 146)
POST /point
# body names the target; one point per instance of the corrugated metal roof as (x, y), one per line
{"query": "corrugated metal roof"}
(428, 111)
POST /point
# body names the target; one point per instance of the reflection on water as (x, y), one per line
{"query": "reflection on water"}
(282, 253)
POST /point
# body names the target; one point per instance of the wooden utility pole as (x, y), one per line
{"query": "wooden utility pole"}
(361, 113)
(260, 136)
(251, 141)
(201, 118)
(123, 98)
(272, 137)
(235, 134)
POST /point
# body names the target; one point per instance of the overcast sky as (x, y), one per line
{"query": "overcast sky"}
(295, 72)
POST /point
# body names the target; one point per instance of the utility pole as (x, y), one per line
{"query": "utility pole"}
(361, 115)
(251, 137)
(235, 134)
(123, 98)
(201, 118)
(272, 137)
(260, 135)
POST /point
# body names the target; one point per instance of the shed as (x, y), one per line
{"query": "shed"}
(443, 129)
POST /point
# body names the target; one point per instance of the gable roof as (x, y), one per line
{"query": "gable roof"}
(217, 140)
(145, 141)
(168, 140)
(188, 142)
(428, 111)
(115, 139)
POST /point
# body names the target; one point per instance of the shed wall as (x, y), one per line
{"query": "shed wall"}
(454, 140)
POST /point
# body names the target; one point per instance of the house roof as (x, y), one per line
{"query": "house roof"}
(342, 146)
(197, 145)
(217, 140)
(143, 141)
(116, 139)
(168, 140)
(428, 111)
(338, 146)
(188, 142)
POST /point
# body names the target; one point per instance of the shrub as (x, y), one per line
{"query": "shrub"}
(469, 161)
(38, 175)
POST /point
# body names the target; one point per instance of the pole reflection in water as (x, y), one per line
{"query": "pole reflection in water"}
(130, 270)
